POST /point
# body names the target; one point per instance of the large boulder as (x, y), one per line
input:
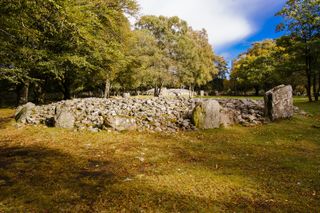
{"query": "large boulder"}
(120, 123)
(279, 103)
(206, 114)
(23, 112)
(228, 117)
(64, 118)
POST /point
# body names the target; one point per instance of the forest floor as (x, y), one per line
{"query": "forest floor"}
(269, 168)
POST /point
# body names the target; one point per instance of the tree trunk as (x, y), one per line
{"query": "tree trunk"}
(318, 90)
(191, 91)
(66, 91)
(308, 73)
(157, 91)
(39, 93)
(107, 89)
(22, 93)
(256, 88)
(315, 92)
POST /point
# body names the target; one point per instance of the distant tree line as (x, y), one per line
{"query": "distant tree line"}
(88, 46)
(80, 46)
(292, 59)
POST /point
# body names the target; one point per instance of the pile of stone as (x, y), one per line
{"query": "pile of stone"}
(158, 114)
(154, 114)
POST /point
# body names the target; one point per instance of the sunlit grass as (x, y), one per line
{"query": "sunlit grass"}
(270, 168)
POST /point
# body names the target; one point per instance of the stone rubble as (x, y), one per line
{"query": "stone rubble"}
(152, 114)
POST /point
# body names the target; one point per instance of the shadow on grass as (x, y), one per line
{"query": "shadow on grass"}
(44, 179)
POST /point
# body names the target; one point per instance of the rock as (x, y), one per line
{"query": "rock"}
(201, 93)
(126, 95)
(279, 103)
(94, 130)
(23, 112)
(206, 114)
(165, 113)
(228, 117)
(120, 123)
(64, 119)
(170, 92)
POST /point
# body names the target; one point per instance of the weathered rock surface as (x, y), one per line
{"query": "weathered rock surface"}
(279, 103)
(64, 119)
(119, 123)
(206, 114)
(23, 112)
(154, 114)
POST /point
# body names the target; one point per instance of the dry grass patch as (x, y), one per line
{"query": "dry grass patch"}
(269, 168)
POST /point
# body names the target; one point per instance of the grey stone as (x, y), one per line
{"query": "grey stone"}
(228, 117)
(171, 92)
(206, 114)
(126, 95)
(279, 103)
(120, 123)
(164, 112)
(65, 119)
(23, 112)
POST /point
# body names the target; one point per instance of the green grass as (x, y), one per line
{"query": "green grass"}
(270, 168)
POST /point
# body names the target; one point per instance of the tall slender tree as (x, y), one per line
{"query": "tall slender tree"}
(302, 22)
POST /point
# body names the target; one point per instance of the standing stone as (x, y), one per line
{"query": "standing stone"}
(278, 103)
(64, 119)
(202, 93)
(206, 114)
(23, 112)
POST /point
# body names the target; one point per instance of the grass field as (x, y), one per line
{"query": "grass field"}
(270, 168)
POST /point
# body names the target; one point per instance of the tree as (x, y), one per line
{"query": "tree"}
(290, 62)
(195, 58)
(257, 67)
(144, 67)
(24, 25)
(98, 47)
(166, 32)
(184, 56)
(219, 79)
(302, 22)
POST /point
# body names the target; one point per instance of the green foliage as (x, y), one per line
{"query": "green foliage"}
(66, 41)
(302, 22)
(176, 56)
(196, 59)
(83, 45)
(291, 59)
(257, 67)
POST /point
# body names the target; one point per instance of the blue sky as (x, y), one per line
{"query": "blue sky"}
(266, 28)
(232, 25)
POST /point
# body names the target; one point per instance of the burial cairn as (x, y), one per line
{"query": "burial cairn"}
(164, 114)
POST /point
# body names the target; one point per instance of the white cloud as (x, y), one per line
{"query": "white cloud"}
(226, 21)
